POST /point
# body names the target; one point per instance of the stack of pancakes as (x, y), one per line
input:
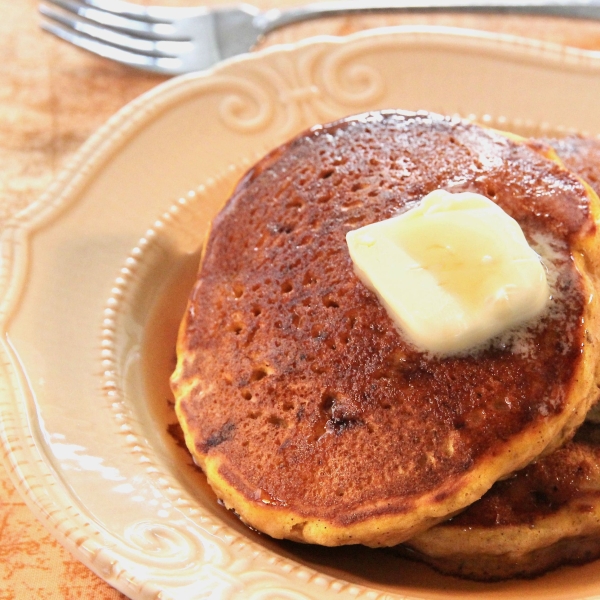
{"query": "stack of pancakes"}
(545, 515)
(317, 421)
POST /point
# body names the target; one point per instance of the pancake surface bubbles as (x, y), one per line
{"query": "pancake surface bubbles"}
(309, 412)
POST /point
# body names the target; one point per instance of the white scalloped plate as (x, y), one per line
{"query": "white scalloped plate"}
(94, 277)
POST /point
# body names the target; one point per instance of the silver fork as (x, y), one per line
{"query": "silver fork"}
(175, 40)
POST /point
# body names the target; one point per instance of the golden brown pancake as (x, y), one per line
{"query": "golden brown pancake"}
(311, 415)
(581, 155)
(544, 516)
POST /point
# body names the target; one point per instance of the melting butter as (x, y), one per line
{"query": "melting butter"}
(452, 272)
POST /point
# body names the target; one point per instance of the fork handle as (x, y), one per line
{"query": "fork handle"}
(276, 18)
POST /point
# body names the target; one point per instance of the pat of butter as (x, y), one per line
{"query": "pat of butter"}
(452, 272)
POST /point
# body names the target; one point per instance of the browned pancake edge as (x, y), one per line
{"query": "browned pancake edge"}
(547, 515)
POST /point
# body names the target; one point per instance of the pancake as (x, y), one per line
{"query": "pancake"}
(545, 516)
(581, 155)
(311, 415)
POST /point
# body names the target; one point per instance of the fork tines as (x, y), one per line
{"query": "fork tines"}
(116, 30)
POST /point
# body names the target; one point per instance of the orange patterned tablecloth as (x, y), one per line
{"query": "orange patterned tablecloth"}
(52, 97)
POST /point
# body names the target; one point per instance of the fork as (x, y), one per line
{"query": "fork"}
(175, 40)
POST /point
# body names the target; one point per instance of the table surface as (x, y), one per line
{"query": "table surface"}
(52, 98)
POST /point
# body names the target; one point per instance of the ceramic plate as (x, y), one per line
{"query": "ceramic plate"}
(95, 275)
